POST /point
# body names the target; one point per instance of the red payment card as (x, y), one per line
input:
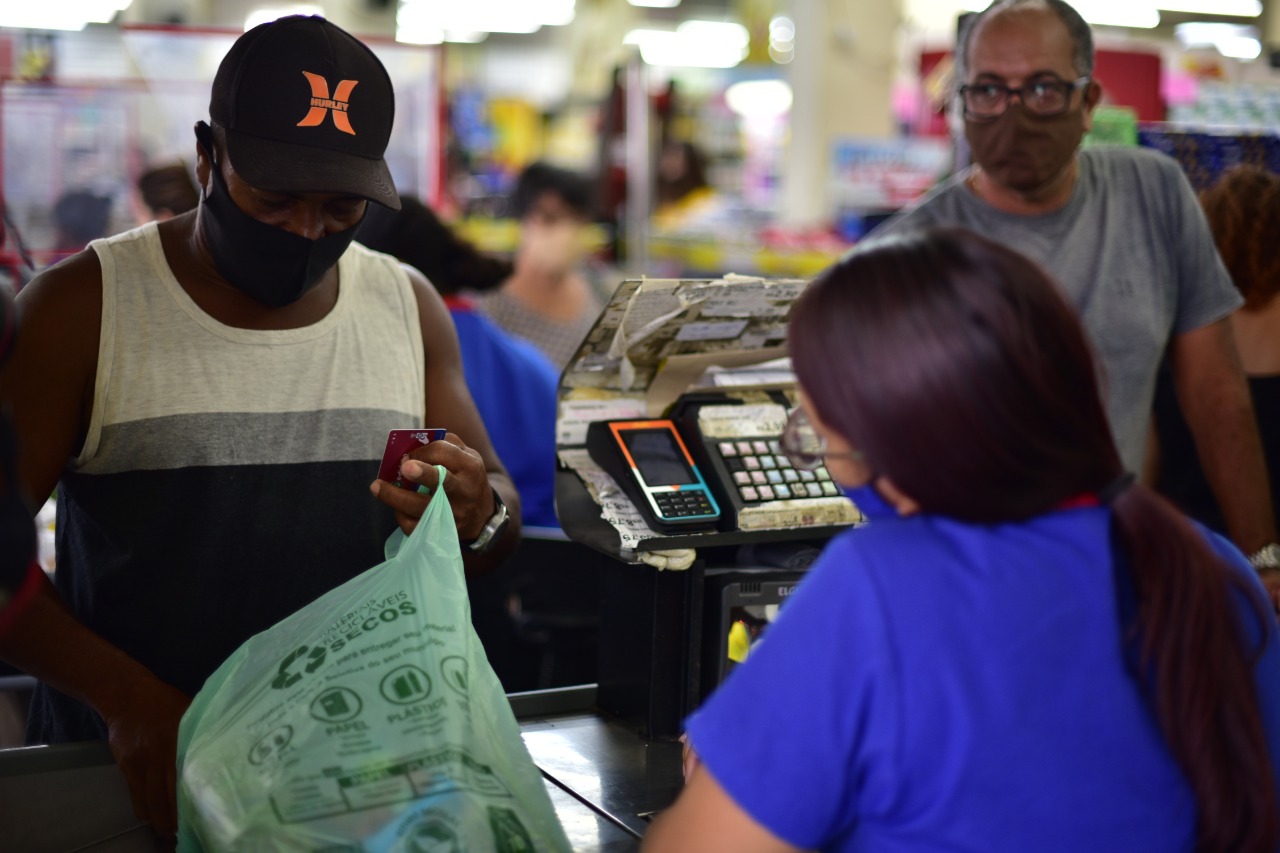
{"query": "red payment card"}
(399, 443)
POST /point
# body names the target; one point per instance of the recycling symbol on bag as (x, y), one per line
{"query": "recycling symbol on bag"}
(270, 745)
(509, 834)
(433, 836)
(406, 684)
(454, 671)
(336, 705)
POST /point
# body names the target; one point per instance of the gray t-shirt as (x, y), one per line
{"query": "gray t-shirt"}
(1133, 251)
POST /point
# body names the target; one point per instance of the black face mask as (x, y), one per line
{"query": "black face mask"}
(274, 266)
(17, 530)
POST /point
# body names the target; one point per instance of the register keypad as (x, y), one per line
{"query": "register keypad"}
(762, 472)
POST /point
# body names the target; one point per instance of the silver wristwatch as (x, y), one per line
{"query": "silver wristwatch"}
(1266, 557)
(493, 528)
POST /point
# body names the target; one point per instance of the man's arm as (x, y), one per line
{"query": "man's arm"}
(475, 471)
(1215, 401)
(49, 385)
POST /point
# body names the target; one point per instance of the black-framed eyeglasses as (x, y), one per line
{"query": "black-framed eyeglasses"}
(803, 445)
(1046, 97)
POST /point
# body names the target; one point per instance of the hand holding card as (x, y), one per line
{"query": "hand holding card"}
(399, 443)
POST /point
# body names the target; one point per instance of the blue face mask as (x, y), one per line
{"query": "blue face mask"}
(868, 499)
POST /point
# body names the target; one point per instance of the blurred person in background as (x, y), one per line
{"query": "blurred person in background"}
(1243, 209)
(79, 216)
(682, 184)
(166, 191)
(548, 299)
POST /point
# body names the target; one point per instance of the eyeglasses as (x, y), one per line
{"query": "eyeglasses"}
(1044, 98)
(803, 445)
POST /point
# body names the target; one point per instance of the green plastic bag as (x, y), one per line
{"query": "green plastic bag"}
(370, 720)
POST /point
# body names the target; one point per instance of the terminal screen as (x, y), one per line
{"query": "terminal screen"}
(658, 458)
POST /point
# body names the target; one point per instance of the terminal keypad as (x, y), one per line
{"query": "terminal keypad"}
(683, 504)
(762, 472)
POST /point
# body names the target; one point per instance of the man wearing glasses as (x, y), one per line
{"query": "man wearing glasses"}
(1121, 230)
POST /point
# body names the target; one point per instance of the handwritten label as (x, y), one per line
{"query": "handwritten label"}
(752, 299)
(577, 415)
(722, 331)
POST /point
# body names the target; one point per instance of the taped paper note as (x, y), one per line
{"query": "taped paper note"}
(810, 512)
(723, 331)
(615, 507)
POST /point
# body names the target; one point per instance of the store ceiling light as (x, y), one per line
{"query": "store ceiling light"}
(655, 4)
(428, 21)
(1145, 13)
(1237, 41)
(1140, 14)
(59, 14)
(759, 99)
(1240, 48)
(693, 44)
(271, 13)
(1232, 8)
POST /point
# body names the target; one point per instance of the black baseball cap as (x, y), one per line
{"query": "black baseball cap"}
(306, 107)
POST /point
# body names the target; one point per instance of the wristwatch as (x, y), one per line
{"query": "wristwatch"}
(1266, 557)
(493, 528)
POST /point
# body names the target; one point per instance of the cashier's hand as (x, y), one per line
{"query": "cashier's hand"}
(467, 486)
(688, 758)
(143, 735)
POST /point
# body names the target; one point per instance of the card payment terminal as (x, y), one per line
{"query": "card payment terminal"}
(649, 460)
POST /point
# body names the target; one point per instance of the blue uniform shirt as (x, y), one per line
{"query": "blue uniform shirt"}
(937, 685)
(514, 388)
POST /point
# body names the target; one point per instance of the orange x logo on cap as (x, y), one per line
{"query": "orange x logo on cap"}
(322, 104)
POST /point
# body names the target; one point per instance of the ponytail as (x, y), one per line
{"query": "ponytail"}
(1198, 666)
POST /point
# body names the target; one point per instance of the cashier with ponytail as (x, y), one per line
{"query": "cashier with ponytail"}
(1023, 650)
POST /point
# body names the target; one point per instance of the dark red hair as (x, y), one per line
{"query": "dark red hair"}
(1243, 209)
(960, 371)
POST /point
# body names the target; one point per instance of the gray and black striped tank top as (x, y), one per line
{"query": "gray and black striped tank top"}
(224, 480)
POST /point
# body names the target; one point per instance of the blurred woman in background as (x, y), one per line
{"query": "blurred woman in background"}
(1243, 209)
(548, 299)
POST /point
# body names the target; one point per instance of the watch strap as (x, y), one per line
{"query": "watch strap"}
(492, 528)
(1266, 557)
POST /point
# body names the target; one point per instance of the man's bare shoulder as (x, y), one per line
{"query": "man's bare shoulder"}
(60, 310)
(428, 297)
(75, 283)
(432, 312)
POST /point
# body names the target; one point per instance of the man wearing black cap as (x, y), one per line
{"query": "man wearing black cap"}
(211, 395)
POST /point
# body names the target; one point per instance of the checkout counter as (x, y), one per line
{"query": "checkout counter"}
(684, 590)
